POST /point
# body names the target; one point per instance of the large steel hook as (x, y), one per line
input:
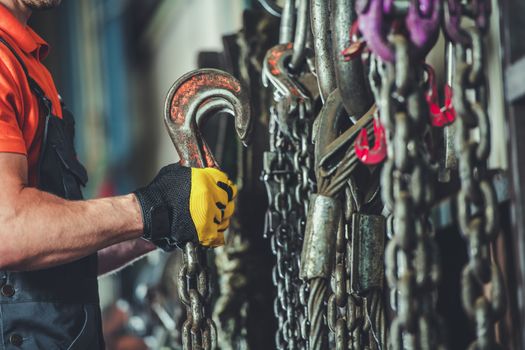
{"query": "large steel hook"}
(196, 96)
(191, 100)
(275, 72)
(350, 74)
(324, 67)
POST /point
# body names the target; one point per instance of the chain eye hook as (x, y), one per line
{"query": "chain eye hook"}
(191, 100)
(371, 155)
(372, 25)
(276, 72)
(439, 116)
(421, 22)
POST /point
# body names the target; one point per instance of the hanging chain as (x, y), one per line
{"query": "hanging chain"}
(480, 230)
(289, 175)
(277, 176)
(198, 331)
(412, 266)
(304, 169)
(287, 166)
(355, 319)
(340, 300)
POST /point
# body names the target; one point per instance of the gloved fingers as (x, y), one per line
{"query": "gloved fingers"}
(215, 174)
(221, 180)
(226, 211)
(234, 188)
(229, 210)
(168, 168)
(212, 239)
(229, 191)
(224, 225)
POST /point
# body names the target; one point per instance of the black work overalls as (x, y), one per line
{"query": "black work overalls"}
(56, 308)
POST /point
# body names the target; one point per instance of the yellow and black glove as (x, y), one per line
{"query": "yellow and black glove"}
(187, 205)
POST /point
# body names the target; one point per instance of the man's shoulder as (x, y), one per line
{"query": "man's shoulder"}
(10, 67)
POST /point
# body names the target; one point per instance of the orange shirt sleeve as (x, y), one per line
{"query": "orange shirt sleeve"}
(11, 136)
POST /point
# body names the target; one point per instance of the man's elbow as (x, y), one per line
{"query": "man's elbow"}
(12, 253)
(10, 259)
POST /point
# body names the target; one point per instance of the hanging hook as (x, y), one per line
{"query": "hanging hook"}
(193, 98)
(439, 116)
(286, 86)
(376, 154)
(377, 18)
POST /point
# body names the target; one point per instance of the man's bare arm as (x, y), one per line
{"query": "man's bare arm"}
(115, 257)
(40, 230)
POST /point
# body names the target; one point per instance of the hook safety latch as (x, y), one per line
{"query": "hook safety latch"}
(357, 43)
(376, 154)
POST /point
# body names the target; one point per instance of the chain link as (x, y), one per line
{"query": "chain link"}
(340, 304)
(198, 331)
(289, 168)
(306, 184)
(412, 266)
(482, 229)
(357, 321)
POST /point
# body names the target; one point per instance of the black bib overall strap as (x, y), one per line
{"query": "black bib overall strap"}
(56, 308)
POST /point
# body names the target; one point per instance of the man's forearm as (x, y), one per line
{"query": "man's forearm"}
(41, 230)
(114, 257)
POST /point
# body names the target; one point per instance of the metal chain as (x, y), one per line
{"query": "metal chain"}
(480, 230)
(412, 266)
(342, 311)
(356, 321)
(289, 167)
(338, 300)
(277, 175)
(285, 225)
(198, 331)
(304, 169)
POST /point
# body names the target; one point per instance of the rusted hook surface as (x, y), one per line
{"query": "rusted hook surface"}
(196, 96)
(377, 153)
(275, 71)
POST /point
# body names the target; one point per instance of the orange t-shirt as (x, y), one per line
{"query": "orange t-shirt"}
(20, 111)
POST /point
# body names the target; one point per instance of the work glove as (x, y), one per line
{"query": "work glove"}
(187, 205)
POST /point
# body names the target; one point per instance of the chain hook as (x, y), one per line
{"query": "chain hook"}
(276, 72)
(191, 100)
(371, 155)
(439, 116)
(421, 22)
(357, 43)
(454, 11)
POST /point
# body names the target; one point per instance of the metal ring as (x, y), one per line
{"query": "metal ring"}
(271, 7)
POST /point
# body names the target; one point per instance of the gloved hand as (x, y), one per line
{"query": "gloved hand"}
(187, 205)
